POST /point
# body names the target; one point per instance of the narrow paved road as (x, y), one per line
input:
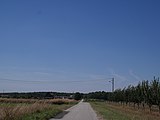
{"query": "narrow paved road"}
(81, 111)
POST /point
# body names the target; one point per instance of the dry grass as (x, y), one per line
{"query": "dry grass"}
(14, 109)
(10, 112)
(50, 101)
(135, 112)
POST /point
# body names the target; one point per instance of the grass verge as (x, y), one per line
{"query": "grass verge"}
(45, 114)
(113, 112)
(32, 111)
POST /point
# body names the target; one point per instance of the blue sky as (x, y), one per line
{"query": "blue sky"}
(73, 45)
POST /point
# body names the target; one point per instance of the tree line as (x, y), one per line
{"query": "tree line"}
(37, 95)
(145, 93)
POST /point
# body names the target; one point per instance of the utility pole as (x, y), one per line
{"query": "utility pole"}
(112, 84)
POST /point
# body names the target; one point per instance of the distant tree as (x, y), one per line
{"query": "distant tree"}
(77, 96)
(138, 94)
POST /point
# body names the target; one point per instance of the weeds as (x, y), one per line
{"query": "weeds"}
(31, 109)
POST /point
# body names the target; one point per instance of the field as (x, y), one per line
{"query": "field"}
(32, 109)
(112, 111)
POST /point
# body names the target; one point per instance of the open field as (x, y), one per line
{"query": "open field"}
(110, 111)
(50, 101)
(26, 109)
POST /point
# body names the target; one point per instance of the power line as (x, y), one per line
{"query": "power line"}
(60, 81)
(51, 81)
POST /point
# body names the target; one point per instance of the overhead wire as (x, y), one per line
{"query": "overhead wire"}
(53, 81)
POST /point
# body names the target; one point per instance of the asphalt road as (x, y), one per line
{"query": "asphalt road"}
(81, 111)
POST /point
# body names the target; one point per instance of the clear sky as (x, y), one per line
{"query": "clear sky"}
(77, 45)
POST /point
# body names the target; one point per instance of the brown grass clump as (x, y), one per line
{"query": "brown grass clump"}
(14, 100)
(50, 101)
(130, 111)
(59, 101)
(9, 112)
(11, 109)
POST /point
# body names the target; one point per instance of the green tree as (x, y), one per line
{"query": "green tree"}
(77, 96)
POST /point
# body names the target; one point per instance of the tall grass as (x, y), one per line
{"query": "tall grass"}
(50, 101)
(17, 109)
(9, 112)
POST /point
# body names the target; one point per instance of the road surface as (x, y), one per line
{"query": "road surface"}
(81, 111)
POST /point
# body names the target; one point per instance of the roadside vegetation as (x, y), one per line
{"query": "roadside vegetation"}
(32, 109)
(141, 102)
(143, 96)
(49, 101)
(114, 111)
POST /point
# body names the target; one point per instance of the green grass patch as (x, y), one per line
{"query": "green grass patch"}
(47, 113)
(111, 112)
(43, 115)
(108, 113)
